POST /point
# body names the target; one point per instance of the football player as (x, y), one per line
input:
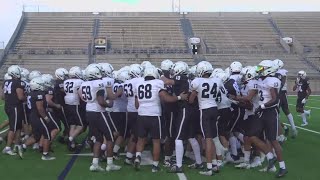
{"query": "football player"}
(282, 75)
(93, 92)
(268, 115)
(180, 85)
(119, 109)
(72, 101)
(39, 117)
(26, 124)
(302, 85)
(61, 75)
(14, 97)
(206, 89)
(148, 95)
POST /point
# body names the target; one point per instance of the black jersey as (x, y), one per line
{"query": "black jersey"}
(302, 87)
(33, 98)
(232, 87)
(59, 94)
(181, 85)
(51, 92)
(10, 91)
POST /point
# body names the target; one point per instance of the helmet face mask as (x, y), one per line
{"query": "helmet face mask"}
(166, 65)
(75, 72)
(37, 84)
(266, 68)
(204, 68)
(15, 71)
(93, 71)
(135, 70)
(302, 74)
(179, 68)
(62, 74)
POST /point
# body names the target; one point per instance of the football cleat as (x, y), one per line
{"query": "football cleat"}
(294, 133)
(128, 161)
(244, 165)
(9, 152)
(35, 146)
(286, 132)
(195, 166)
(256, 162)
(116, 156)
(281, 173)
(207, 172)
(137, 163)
(271, 163)
(155, 169)
(113, 167)
(47, 157)
(273, 169)
(304, 124)
(175, 169)
(20, 151)
(96, 168)
(167, 163)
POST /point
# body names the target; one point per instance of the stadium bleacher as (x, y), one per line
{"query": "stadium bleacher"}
(46, 41)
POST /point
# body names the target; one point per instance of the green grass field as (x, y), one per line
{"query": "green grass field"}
(301, 155)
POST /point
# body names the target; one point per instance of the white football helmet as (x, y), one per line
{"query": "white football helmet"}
(75, 72)
(266, 68)
(223, 76)
(34, 74)
(151, 71)
(24, 74)
(302, 74)
(37, 84)
(123, 76)
(15, 71)
(278, 63)
(235, 67)
(166, 65)
(179, 68)
(61, 74)
(93, 71)
(107, 69)
(7, 77)
(193, 70)
(83, 74)
(216, 71)
(204, 67)
(135, 70)
(251, 73)
(145, 64)
(48, 80)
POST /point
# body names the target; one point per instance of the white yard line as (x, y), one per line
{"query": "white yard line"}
(3, 131)
(182, 176)
(316, 132)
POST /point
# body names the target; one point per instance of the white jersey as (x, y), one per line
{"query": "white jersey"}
(208, 89)
(222, 99)
(128, 88)
(108, 82)
(89, 91)
(119, 104)
(148, 97)
(264, 87)
(71, 87)
(251, 85)
(283, 73)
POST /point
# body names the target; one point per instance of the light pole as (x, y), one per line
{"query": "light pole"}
(2, 42)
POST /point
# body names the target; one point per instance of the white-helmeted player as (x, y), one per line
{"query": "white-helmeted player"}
(72, 101)
(93, 92)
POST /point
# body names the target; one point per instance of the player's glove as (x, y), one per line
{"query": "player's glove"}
(297, 81)
(304, 100)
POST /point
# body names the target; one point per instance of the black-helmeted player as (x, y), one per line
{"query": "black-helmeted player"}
(303, 87)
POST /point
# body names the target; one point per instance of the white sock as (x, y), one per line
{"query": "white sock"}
(103, 147)
(246, 156)
(214, 162)
(291, 121)
(218, 144)
(70, 138)
(304, 119)
(209, 165)
(109, 160)
(95, 161)
(155, 163)
(116, 148)
(240, 137)
(218, 151)
(196, 150)
(282, 165)
(24, 146)
(179, 152)
(269, 156)
(138, 154)
(307, 112)
(129, 155)
(233, 145)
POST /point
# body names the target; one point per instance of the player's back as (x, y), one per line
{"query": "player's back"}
(10, 91)
(148, 96)
(128, 88)
(120, 103)
(59, 94)
(89, 91)
(32, 99)
(71, 87)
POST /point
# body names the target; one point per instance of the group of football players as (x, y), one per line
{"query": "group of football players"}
(229, 115)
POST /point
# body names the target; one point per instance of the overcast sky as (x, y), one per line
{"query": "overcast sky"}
(10, 10)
